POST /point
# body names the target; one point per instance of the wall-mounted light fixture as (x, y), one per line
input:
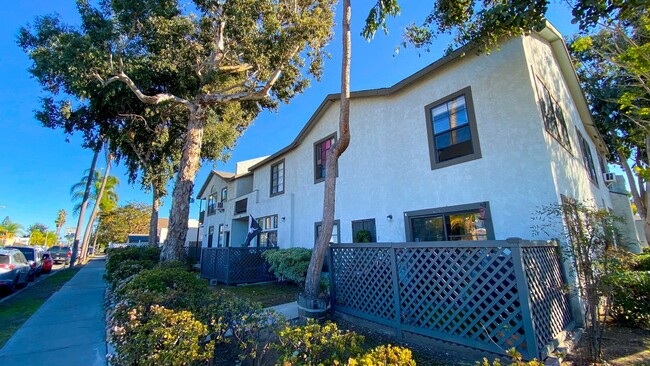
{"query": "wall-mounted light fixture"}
(283, 218)
(389, 217)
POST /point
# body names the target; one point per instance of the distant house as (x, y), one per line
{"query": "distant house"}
(138, 238)
(467, 148)
(163, 229)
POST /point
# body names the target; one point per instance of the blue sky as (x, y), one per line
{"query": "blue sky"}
(38, 166)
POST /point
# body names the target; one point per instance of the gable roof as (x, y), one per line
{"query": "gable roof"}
(226, 176)
(550, 33)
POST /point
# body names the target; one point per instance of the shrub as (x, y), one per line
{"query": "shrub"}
(160, 336)
(517, 360)
(630, 297)
(119, 255)
(642, 262)
(363, 236)
(289, 264)
(126, 269)
(314, 344)
(385, 355)
(168, 285)
(254, 332)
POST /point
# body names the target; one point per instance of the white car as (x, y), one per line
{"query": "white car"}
(14, 269)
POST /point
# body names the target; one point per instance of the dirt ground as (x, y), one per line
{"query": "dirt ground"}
(622, 346)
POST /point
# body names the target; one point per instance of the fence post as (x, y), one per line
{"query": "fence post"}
(524, 299)
(330, 266)
(396, 293)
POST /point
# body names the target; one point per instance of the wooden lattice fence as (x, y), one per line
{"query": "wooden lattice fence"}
(488, 295)
(235, 265)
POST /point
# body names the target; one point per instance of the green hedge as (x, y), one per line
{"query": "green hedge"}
(642, 262)
(630, 298)
(123, 263)
(289, 264)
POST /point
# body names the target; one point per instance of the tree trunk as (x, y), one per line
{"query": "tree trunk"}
(93, 215)
(82, 212)
(312, 283)
(153, 224)
(58, 231)
(96, 235)
(189, 165)
(638, 194)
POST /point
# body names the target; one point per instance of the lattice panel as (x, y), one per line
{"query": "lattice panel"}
(469, 293)
(208, 263)
(550, 306)
(363, 281)
(221, 264)
(248, 265)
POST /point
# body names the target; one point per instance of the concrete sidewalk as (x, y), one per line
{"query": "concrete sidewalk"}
(69, 328)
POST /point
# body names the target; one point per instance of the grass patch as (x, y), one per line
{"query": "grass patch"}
(16, 310)
(268, 294)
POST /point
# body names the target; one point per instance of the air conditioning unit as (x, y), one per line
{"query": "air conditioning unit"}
(220, 206)
(610, 178)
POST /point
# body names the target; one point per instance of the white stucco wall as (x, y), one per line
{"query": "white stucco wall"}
(386, 169)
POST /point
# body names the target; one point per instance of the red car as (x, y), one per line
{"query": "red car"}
(47, 263)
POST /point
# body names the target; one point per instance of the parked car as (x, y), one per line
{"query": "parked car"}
(47, 263)
(60, 254)
(14, 269)
(34, 257)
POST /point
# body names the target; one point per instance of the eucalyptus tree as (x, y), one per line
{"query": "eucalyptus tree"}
(225, 61)
(613, 64)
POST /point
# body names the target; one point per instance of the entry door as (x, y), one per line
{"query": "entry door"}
(428, 228)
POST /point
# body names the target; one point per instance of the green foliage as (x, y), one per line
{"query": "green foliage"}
(591, 237)
(384, 356)
(289, 264)
(126, 269)
(630, 298)
(313, 344)
(169, 285)
(40, 238)
(9, 229)
(160, 336)
(116, 225)
(363, 236)
(642, 262)
(109, 196)
(517, 360)
(116, 256)
(255, 332)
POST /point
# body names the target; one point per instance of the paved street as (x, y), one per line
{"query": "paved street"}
(68, 329)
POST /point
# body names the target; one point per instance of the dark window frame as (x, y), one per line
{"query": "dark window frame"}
(587, 158)
(317, 177)
(338, 230)
(284, 181)
(210, 236)
(556, 122)
(450, 210)
(212, 208)
(223, 195)
(373, 232)
(471, 122)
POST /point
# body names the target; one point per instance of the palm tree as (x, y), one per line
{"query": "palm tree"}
(108, 199)
(9, 229)
(60, 221)
(102, 188)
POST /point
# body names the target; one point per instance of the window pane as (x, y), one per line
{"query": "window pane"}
(466, 226)
(428, 228)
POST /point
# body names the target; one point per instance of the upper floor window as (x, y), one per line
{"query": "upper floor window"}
(224, 194)
(320, 156)
(277, 178)
(553, 116)
(451, 127)
(587, 159)
(211, 205)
